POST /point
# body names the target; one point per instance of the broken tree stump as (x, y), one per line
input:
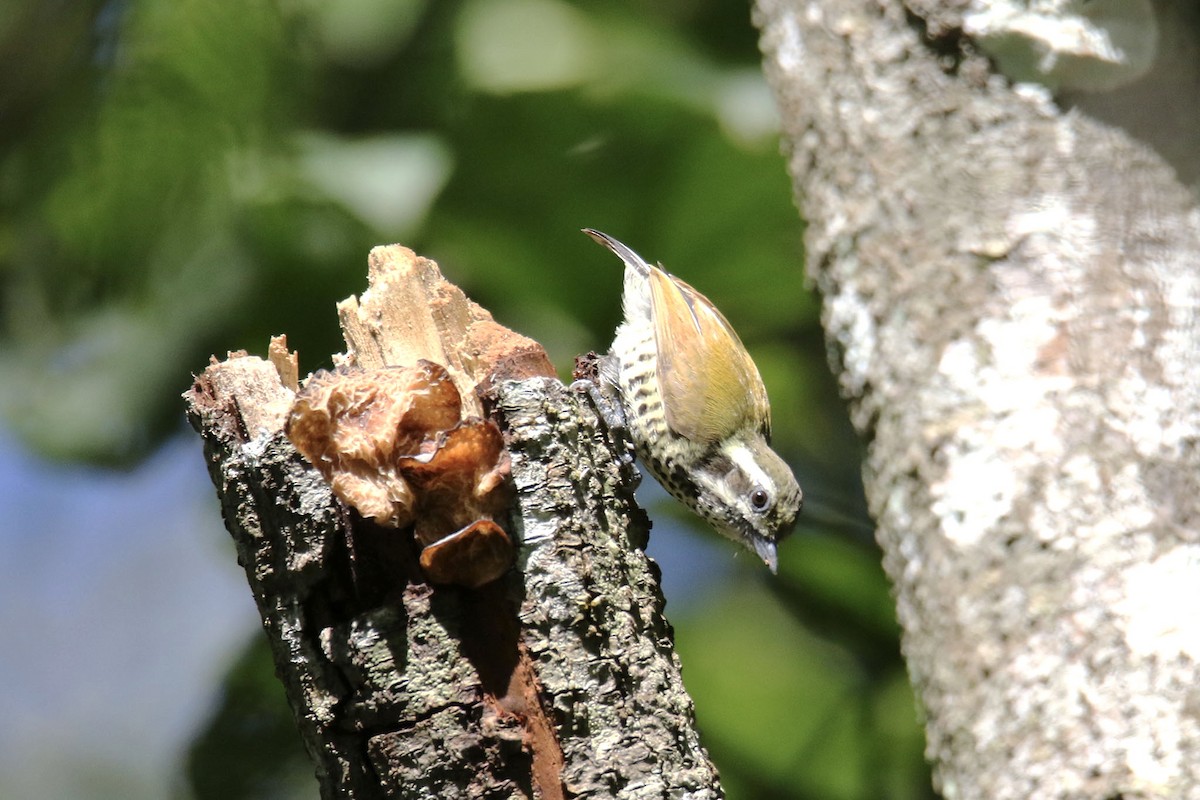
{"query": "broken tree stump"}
(557, 679)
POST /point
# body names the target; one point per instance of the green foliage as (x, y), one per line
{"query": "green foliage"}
(191, 177)
(250, 749)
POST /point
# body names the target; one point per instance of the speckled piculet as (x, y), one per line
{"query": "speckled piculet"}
(696, 407)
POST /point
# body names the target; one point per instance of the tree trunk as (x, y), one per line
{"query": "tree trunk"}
(560, 679)
(1011, 290)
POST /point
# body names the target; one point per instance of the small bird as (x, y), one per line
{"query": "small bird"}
(696, 407)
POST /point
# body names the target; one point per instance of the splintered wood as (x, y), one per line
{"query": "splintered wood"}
(397, 429)
(410, 312)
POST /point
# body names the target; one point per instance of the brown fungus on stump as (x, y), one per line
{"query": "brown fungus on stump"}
(393, 445)
(378, 438)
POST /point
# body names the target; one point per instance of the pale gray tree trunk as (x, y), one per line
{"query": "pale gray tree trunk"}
(1011, 290)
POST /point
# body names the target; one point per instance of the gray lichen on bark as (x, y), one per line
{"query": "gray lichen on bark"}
(1012, 297)
(590, 590)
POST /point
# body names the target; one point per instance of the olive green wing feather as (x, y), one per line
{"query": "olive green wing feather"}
(709, 383)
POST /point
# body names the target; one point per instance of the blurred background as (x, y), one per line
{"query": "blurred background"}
(184, 178)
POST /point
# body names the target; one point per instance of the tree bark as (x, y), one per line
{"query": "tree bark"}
(560, 679)
(1011, 291)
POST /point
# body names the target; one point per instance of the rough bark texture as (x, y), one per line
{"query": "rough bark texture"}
(559, 680)
(1012, 295)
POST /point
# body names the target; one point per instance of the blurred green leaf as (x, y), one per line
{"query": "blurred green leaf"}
(250, 749)
(772, 695)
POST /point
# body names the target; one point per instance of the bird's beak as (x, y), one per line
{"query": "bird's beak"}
(766, 551)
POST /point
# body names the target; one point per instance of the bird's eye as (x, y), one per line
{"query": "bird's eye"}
(759, 499)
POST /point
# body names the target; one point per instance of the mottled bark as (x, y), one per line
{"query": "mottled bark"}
(1012, 293)
(559, 680)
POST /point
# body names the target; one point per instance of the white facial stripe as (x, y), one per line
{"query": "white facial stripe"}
(743, 457)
